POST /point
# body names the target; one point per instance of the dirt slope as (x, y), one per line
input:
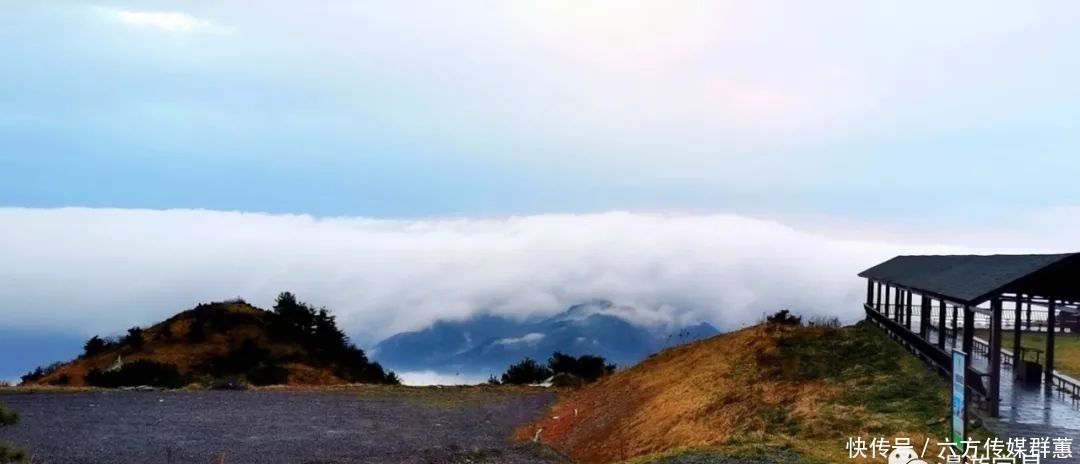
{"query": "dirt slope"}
(762, 388)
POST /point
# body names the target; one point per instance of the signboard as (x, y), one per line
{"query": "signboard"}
(959, 405)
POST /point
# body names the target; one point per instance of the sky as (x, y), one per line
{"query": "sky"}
(405, 161)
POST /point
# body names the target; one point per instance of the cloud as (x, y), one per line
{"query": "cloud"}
(529, 338)
(424, 378)
(165, 20)
(87, 271)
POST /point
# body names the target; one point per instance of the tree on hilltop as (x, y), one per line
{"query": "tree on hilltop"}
(95, 345)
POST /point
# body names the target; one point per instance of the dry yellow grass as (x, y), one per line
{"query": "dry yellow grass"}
(764, 387)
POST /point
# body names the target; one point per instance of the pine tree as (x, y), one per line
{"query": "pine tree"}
(95, 345)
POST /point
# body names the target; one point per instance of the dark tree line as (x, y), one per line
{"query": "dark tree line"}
(97, 345)
(41, 372)
(587, 368)
(140, 372)
(317, 331)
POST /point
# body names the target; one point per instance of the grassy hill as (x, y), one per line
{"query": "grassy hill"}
(755, 392)
(294, 344)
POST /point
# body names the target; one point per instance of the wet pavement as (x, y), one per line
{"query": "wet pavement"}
(1026, 410)
(1026, 404)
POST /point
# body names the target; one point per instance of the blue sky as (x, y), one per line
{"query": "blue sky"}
(415, 109)
(700, 159)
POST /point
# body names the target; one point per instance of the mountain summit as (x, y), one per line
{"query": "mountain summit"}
(294, 344)
(487, 344)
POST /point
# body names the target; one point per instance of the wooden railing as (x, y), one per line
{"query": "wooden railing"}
(925, 350)
(1031, 320)
(1066, 386)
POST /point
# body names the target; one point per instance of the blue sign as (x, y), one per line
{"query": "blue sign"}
(959, 405)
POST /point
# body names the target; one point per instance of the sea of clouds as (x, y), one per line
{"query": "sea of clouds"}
(91, 271)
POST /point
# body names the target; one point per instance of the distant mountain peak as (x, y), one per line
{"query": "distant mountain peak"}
(583, 310)
(487, 344)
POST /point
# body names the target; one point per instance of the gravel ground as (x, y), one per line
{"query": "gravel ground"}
(432, 426)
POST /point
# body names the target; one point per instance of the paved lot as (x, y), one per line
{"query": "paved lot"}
(418, 426)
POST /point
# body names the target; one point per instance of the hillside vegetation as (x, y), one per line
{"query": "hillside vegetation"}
(9, 453)
(774, 387)
(232, 342)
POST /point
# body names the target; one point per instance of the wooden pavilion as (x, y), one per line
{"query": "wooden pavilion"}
(994, 289)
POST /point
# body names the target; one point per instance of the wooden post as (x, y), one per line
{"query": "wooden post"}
(1051, 321)
(1028, 299)
(1016, 335)
(869, 292)
(877, 297)
(888, 296)
(941, 325)
(907, 309)
(900, 306)
(969, 334)
(955, 335)
(994, 401)
(924, 317)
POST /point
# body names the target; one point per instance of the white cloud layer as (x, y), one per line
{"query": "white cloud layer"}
(424, 378)
(90, 271)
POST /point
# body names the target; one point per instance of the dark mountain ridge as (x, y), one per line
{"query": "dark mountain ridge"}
(487, 344)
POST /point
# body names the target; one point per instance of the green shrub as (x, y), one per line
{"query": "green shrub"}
(784, 317)
(268, 374)
(7, 416)
(196, 332)
(33, 375)
(134, 338)
(9, 453)
(240, 360)
(526, 372)
(567, 369)
(40, 372)
(586, 367)
(166, 331)
(230, 383)
(62, 380)
(137, 373)
(95, 345)
(391, 378)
